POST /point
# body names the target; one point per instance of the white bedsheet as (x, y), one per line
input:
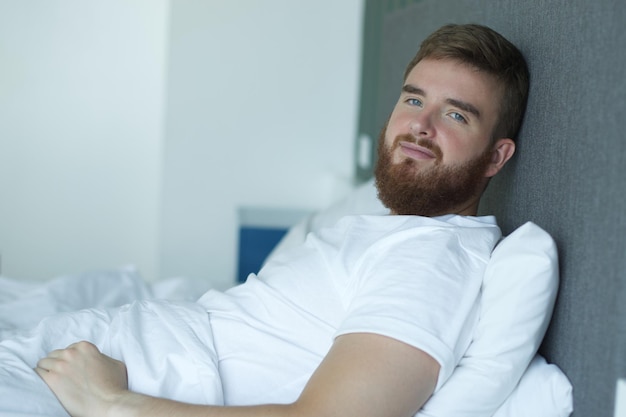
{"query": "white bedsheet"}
(24, 303)
(167, 345)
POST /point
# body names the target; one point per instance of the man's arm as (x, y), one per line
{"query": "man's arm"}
(362, 375)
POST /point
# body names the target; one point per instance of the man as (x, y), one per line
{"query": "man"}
(368, 318)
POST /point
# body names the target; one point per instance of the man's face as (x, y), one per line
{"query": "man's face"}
(434, 154)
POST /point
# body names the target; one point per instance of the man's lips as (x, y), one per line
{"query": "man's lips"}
(415, 151)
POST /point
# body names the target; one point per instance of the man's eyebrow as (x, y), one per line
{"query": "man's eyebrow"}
(411, 89)
(463, 105)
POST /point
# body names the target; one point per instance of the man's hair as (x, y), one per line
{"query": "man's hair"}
(488, 51)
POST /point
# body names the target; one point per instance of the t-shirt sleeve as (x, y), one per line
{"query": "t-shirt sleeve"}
(418, 287)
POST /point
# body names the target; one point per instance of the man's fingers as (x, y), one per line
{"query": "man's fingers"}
(55, 353)
(83, 345)
(40, 371)
(70, 352)
(45, 364)
(46, 374)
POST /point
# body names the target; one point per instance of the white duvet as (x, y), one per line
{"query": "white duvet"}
(167, 345)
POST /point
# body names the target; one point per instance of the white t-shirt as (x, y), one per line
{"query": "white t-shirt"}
(415, 279)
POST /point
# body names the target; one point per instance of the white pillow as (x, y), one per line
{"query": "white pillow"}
(518, 294)
(543, 391)
(362, 200)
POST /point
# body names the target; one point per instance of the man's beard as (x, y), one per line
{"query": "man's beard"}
(407, 189)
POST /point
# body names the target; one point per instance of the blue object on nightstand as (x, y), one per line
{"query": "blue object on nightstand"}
(260, 230)
(255, 244)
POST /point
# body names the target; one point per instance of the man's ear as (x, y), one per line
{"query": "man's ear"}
(502, 151)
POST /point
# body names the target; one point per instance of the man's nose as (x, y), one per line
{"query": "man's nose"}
(422, 124)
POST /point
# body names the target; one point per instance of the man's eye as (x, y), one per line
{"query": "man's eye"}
(458, 117)
(414, 102)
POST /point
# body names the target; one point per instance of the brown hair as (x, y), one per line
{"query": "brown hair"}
(488, 51)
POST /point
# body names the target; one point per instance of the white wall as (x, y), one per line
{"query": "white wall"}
(131, 131)
(262, 111)
(81, 131)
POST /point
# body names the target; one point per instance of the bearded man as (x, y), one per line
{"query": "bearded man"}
(371, 316)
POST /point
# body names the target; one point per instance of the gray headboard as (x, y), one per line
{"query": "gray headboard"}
(568, 175)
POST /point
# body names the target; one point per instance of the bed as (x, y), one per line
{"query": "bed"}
(568, 179)
(500, 375)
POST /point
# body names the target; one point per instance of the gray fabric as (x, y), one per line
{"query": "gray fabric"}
(568, 174)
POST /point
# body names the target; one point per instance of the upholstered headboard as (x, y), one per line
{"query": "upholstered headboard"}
(569, 172)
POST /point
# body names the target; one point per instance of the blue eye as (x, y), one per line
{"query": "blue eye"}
(414, 102)
(458, 117)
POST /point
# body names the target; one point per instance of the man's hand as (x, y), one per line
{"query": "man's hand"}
(83, 379)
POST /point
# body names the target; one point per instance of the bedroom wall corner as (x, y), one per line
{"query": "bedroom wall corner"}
(262, 112)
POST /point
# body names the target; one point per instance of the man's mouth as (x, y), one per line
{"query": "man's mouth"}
(415, 151)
